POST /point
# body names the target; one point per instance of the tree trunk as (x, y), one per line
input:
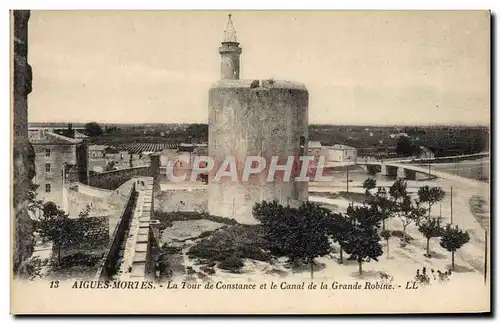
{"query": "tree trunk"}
(404, 235)
(430, 206)
(387, 248)
(452, 260)
(312, 268)
(360, 267)
(428, 254)
(341, 256)
(58, 254)
(383, 224)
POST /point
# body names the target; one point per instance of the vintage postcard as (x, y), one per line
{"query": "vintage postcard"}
(250, 162)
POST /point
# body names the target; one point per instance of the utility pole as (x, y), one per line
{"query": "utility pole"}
(485, 255)
(480, 169)
(451, 204)
(233, 207)
(347, 181)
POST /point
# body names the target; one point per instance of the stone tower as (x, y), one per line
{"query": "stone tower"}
(264, 118)
(23, 154)
(230, 52)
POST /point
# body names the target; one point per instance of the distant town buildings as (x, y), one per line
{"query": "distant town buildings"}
(398, 135)
(341, 153)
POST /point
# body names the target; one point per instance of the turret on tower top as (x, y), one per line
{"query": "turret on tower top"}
(230, 32)
(230, 52)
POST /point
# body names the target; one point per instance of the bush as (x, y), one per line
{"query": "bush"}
(243, 241)
(208, 270)
(166, 249)
(166, 218)
(79, 259)
(252, 252)
(399, 234)
(232, 264)
(205, 234)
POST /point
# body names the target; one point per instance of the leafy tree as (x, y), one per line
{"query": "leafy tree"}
(382, 204)
(362, 237)
(453, 239)
(385, 208)
(408, 211)
(34, 205)
(430, 228)
(386, 235)
(404, 207)
(405, 147)
(338, 230)
(85, 212)
(430, 195)
(93, 129)
(197, 131)
(301, 234)
(53, 226)
(369, 184)
(398, 190)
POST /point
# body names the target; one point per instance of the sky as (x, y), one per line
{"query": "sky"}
(360, 67)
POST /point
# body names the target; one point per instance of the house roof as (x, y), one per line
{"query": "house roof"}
(314, 144)
(53, 138)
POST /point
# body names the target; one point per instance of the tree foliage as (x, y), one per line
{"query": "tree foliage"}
(406, 209)
(55, 225)
(381, 203)
(93, 129)
(338, 230)
(362, 238)
(405, 147)
(369, 184)
(430, 227)
(299, 233)
(452, 239)
(430, 195)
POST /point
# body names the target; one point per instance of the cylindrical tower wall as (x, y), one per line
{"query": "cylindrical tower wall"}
(230, 61)
(244, 120)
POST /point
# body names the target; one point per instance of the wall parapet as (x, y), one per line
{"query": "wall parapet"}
(108, 262)
(138, 260)
(111, 180)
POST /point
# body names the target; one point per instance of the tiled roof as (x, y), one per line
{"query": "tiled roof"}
(53, 138)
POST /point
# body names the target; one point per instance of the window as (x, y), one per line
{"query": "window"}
(47, 167)
(47, 187)
(47, 152)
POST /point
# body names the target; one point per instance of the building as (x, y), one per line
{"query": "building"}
(59, 161)
(97, 151)
(314, 148)
(253, 117)
(181, 160)
(341, 153)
